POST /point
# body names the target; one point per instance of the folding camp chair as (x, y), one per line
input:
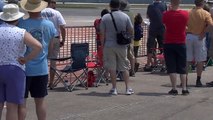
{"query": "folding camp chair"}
(159, 60)
(77, 67)
(95, 62)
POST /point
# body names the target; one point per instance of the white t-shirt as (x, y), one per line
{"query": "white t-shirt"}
(54, 16)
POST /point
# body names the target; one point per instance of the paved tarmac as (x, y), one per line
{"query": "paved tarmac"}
(150, 101)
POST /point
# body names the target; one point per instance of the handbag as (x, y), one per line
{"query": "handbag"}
(123, 37)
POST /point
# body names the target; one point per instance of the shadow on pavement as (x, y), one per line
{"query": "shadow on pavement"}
(178, 86)
(62, 89)
(94, 93)
(152, 94)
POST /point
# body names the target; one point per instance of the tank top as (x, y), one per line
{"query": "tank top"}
(11, 45)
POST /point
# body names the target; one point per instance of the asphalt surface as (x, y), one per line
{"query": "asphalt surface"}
(87, 16)
(149, 102)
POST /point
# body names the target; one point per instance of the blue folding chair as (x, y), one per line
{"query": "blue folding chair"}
(77, 67)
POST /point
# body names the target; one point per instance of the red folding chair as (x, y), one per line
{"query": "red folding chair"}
(95, 64)
(159, 60)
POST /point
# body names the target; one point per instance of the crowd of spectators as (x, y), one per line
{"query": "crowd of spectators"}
(183, 36)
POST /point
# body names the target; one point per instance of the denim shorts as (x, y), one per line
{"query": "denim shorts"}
(12, 84)
(37, 86)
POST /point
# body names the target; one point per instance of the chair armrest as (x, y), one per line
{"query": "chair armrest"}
(92, 57)
(60, 59)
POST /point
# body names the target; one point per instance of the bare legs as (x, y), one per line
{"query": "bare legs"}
(1, 109)
(52, 73)
(132, 63)
(125, 76)
(40, 109)
(183, 81)
(11, 113)
(149, 59)
(199, 68)
(173, 79)
(131, 58)
(22, 111)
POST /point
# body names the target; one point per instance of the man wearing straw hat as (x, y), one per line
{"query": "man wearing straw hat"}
(37, 69)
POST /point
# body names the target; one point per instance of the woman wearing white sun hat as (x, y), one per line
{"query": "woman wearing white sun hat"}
(13, 41)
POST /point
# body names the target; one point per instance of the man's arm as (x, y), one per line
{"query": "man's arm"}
(209, 22)
(62, 24)
(63, 34)
(102, 33)
(102, 38)
(147, 12)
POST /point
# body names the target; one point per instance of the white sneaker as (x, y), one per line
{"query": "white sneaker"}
(113, 91)
(129, 91)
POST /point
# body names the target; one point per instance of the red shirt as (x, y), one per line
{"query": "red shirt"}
(175, 23)
(97, 28)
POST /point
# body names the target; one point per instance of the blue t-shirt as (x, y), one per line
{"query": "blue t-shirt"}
(44, 31)
(155, 13)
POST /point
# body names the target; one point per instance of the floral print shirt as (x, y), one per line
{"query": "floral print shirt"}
(11, 44)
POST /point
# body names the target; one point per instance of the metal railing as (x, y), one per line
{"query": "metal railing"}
(82, 34)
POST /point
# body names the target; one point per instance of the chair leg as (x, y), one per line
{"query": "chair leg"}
(101, 77)
(63, 81)
(81, 81)
(208, 61)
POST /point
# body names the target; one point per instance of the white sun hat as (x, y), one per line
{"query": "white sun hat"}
(10, 13)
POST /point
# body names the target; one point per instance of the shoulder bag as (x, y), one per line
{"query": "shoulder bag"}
(123, 37)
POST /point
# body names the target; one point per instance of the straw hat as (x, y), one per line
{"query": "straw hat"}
(33, 5)
(10, 13)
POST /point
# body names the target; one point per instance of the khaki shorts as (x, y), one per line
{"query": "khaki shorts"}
(116, 58)
(195, 48)
(56, 48)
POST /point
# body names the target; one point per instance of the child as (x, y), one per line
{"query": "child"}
(137, 37)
